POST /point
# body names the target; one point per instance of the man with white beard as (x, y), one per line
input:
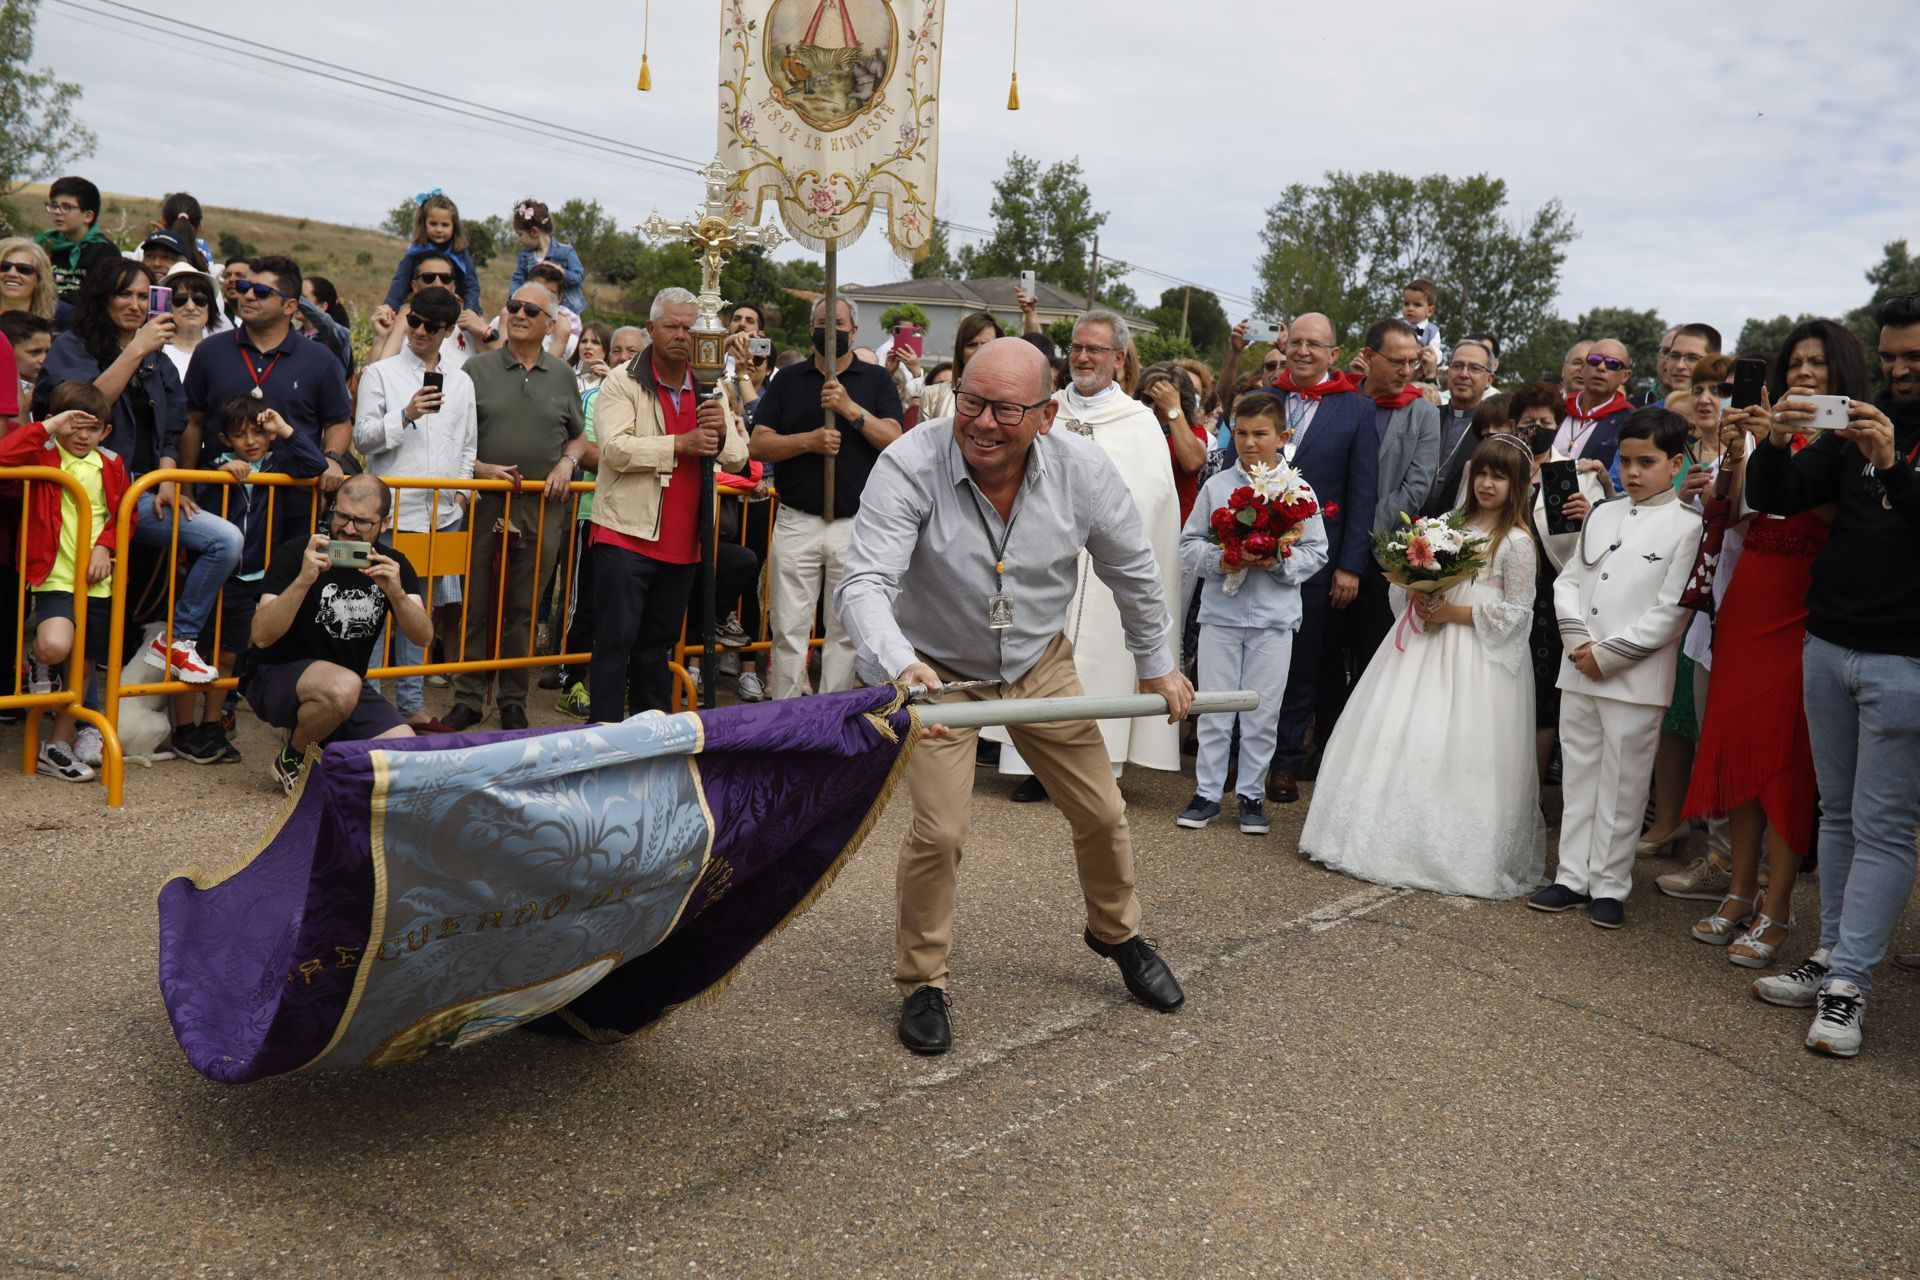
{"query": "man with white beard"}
(1093, 405)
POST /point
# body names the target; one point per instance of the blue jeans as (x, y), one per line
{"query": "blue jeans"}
(1863, 712)
(213, 543)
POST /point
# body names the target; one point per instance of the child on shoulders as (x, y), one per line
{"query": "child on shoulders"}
(436, 231)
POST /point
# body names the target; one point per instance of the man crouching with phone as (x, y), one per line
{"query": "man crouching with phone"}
(323, 605)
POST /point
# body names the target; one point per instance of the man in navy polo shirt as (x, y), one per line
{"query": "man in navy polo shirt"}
(266, 359)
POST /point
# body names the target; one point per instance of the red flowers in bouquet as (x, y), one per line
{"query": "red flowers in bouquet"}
(1262, 520)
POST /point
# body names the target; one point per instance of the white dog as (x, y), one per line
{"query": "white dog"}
(144, 728)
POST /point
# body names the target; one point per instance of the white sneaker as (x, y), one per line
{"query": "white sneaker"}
(1836, 1027)
(184, 660)
(89, 747)
(1703, 880)
(1796, 988)
(40, 676)
(58, 762)
(751, 690)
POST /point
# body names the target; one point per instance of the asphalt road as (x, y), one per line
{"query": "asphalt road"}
(1364, 1082)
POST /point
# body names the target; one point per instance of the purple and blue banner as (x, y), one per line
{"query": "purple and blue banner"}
(425, 893)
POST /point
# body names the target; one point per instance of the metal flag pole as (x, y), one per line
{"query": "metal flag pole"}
(991, 711)
(831, 304)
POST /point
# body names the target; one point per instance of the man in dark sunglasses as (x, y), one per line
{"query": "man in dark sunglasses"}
(467, 336)
(1590, 426)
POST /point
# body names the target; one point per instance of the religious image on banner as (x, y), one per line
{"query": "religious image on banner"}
(828, 107)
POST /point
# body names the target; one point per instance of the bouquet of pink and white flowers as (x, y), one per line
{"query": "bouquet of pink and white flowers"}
(1431, 554)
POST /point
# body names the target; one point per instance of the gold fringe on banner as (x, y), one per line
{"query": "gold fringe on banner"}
(646, 30)
(1013, 87)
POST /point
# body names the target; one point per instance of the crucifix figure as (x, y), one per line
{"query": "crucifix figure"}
(716, 232)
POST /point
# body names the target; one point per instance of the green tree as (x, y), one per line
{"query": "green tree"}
(903, 312)
(1348, 246)
(1165, 345)
(1540, 354)
(1897, 272)
(1639, 330)
(1043, 221)
(42, 134)
(1207, 327)
(605, 250)
(938, 264)
(399, 220)
(232, 246)
(488, 238)
(1763, 337)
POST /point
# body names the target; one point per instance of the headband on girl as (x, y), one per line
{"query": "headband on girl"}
(1505, 437)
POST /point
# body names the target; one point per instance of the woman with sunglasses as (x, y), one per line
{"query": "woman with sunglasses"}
(194, 314)
(26, 278)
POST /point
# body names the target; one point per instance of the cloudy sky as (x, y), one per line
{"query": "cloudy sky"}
(1721, 160)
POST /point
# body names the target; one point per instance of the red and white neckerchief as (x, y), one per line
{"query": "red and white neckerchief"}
(1577, 416)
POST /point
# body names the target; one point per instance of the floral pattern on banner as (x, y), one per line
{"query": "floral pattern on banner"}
(834, 132)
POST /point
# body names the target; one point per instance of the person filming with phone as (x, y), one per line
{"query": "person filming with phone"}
(324, 604)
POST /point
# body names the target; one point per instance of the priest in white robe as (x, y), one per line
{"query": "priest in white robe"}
(1094, 405)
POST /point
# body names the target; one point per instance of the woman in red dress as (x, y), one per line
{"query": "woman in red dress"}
(1754, 762)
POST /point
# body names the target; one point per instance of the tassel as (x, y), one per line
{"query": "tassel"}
(1013, 86)
(645, 82)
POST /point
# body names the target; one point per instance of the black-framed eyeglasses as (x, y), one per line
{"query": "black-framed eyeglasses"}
(1612, 364)
(1007, 413)
(516, 307)
(256, 289)
(20, 269)
(434, 277)
(356, 524)
(416, 321)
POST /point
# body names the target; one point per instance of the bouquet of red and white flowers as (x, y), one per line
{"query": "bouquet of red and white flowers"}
(1262, 519)
(1431, 554)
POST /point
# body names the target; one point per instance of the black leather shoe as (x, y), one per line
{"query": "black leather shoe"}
(1029, 792)
(923, 1022)
(1146, 974)
(513, 717)
(462, 718)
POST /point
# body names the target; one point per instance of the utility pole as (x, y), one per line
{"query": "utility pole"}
(1186, 300)
(1093, 272)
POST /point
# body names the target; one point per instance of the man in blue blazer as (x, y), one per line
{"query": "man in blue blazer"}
(1333, 442)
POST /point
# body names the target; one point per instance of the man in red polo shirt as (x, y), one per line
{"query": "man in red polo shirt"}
(653, 429)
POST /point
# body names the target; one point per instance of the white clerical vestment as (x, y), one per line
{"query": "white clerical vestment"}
(1131, 436)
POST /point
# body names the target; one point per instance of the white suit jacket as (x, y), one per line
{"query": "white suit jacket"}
(1622, 591)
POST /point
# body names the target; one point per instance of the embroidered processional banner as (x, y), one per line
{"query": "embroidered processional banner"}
(830, 108)
(426, 893)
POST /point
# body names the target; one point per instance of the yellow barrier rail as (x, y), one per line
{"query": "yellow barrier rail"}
(68, 701)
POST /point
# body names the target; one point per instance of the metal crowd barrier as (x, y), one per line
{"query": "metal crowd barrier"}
(66, 701)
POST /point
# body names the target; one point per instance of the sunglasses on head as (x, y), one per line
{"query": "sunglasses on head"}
(434, 277)
(1612, 364)
(19, 268)
(420, 322)
(256, 289)
(519, 308)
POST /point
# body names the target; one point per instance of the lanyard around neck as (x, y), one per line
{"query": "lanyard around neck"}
(999, 550)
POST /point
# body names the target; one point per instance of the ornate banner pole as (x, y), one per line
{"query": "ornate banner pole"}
(716, 232)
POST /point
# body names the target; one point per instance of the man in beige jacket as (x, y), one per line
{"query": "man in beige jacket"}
(653, 430)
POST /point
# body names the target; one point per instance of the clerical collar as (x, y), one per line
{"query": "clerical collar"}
(1078, 401)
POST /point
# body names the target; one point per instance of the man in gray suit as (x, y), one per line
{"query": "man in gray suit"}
(1407, 427)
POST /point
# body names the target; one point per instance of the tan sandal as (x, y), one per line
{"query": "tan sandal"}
(1749, 952)
(1718, 929)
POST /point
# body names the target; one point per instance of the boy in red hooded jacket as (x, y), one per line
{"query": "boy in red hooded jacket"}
(69, 440)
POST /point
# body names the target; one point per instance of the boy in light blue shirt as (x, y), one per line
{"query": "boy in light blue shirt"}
(1247, 620)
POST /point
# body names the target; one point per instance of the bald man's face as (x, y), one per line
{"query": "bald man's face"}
(1007, 375)
(1310, 350)
(1611, 372)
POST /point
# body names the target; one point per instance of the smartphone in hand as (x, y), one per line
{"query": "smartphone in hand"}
(1558, 482)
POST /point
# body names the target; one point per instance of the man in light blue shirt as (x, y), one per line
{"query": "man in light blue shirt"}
(962, 563)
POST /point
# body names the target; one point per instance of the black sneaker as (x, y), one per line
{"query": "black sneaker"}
(193, 742)
(1557, 897)
(1607, 913)
(286, 769)
(1253, 816)
(229, 754)
(1198, 813)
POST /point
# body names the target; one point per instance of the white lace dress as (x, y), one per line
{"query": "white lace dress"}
(1429, 780)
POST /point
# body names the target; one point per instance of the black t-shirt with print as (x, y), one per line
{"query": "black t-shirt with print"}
(342, 616)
